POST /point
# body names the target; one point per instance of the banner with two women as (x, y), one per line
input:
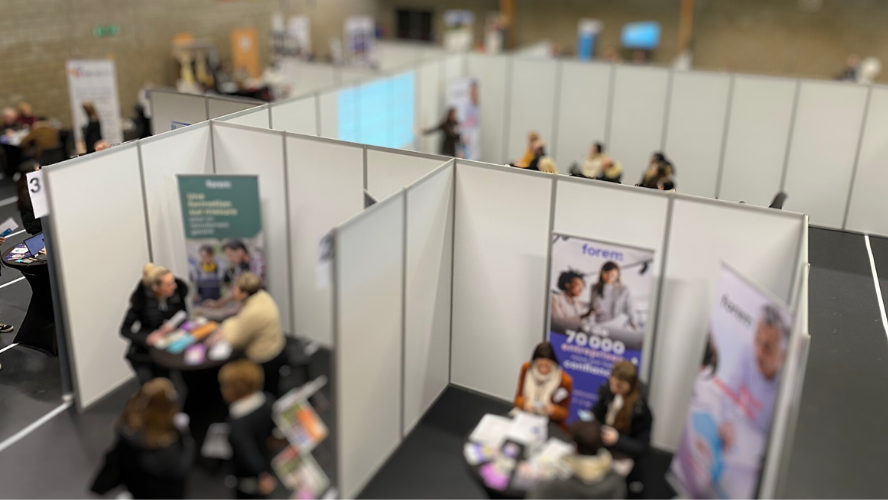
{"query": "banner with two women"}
(599, 306)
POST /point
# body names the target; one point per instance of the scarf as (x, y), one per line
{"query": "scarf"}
(539, 388)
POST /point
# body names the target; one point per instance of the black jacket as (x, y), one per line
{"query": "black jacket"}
(637, 442)
(145, 308)
(146, 472)
(92, 133)
(249, 437)
(451, 138)
(31, 223)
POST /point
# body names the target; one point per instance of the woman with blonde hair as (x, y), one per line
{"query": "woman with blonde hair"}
(157, 299)
(152, 456)
(547, 166)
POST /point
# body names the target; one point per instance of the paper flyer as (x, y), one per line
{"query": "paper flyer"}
(7, 227)
(296, 418)
(599, 301)
(300, 473)
(726, 430)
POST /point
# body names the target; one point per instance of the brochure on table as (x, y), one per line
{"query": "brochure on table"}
(222, 218)
(725, 436)
(599, 302)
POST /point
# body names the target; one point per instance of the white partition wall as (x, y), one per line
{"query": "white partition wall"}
(390, 170)
(869, 204)
(637, 116)
(698, 108)
(640, 221)
(186, 151)
(257, 116)
(243, 150)
(761, 244)
(81, 216)
(581, 118)
(531, 105)
(427, 292)
(758, 134)
(499, 274)
(454, 67)
(429, 104)
(299, 116)
(328, 174)
(492, 74)
(328, 113)
(170, 110)
(218, 107)
(369, 266)
(828, 123)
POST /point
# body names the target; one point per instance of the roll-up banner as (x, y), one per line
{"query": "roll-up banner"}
(599, 303)
(223, 234)
(360, 40)
(95, 81)
(725, 435)
(462, 95)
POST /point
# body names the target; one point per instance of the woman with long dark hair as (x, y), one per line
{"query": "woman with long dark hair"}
(92, 131)
(451, 134)
(611, 300)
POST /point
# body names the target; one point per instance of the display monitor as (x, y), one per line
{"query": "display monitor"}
(643, 35)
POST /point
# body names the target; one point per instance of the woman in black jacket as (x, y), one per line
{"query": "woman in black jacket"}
(450, 128)
(155, 301)
(92, 131)
(152, 456)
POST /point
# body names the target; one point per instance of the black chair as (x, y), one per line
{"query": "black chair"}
(53, 155)
(779, 200)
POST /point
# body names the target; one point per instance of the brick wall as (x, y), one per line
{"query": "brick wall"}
(38, 36)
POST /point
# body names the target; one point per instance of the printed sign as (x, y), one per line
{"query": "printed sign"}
(37, 190)
(95, 81)
(599, 301)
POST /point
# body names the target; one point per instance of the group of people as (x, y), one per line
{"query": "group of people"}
(153, 454)
(620, 427)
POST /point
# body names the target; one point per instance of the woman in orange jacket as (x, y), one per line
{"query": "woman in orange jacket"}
(544, 388)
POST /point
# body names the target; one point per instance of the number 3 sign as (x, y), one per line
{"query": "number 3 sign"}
(37, 190)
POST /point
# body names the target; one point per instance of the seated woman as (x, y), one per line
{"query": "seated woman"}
(625, 417)
(256, 329)
(153, 454)
(154, 302)
(543, 387)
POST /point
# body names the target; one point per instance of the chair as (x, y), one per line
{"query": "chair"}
(42, 137)
(779, 200)
(52, 155)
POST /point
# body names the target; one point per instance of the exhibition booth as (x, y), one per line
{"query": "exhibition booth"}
(730, 136)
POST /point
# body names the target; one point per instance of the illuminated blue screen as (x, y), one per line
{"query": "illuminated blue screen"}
(379, 113)
(645, 35)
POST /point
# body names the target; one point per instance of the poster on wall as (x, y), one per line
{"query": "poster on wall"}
(599, 302)
(223, 235)
(360, 40)
(462, 95)
(725, 434)
(95, 81)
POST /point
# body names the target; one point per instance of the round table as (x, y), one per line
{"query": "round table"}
(203, 403)
(38, 328)
(554, 431)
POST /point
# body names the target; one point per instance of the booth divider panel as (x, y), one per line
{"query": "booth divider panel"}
(325, 182)
(492, 74)
(869, 204)
(427, 293)
(761, 245)
(169, 107)
(429, 100)
(252, 117)
(218, 108)
(305, 77)
(695, 132)
(582, 112)
(329, 113)
(261, 152)
(84, 219)
(388, 172)
(499, 275)
(353, 74)
(369, 335)
(298, 116)
(640, 221)
(531, 104)
(825, 137)
(758, 131)
(394, 55)
(185, 152)
(637, 118)
(454, 67)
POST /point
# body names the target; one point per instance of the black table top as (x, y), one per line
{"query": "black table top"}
(172, 361)
(22, 265)
(554, 431)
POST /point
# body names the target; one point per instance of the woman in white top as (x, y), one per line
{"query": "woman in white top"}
(611, 301)
(566, 309)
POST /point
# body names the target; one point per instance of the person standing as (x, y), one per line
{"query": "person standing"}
(451, 137)
(4, 328)
(92, 131)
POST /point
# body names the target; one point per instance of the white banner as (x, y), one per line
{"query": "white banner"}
(360, 40)
(95, 81)
(462, 95)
